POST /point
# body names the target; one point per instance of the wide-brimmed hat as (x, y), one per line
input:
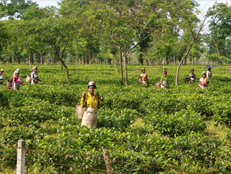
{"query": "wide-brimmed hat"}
(91, 83)
(1, 70)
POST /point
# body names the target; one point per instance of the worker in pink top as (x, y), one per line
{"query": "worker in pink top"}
(16, 80)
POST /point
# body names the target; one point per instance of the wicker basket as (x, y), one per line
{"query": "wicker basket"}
(28, 79)
(9, 84)
(157, 85)
(140, 80)
(79, 112)
(202, 86)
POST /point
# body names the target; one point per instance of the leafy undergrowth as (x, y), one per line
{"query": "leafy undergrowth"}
(179, 130)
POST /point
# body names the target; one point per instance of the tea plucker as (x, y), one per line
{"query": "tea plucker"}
(209, 73)
(16, 80)
(34, 76)
(1, 76)
(164, 80)
(143, 79)
(92, 102)
(192, 76)
(204, 81)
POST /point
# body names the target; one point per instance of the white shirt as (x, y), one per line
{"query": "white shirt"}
(209, 74)
(202, 79)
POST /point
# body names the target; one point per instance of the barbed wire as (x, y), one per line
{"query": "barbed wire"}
(119, 161)
(88, 156)
(64, 154)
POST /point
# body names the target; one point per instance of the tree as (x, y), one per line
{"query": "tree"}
(57, 33)
(220, 30)
(14, 8)
(189, 23)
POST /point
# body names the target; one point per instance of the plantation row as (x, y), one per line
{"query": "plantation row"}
(167, 128)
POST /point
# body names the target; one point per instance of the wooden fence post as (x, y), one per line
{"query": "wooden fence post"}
(107, 160)
(21, 153)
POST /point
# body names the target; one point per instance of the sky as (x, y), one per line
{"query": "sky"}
(204, 4)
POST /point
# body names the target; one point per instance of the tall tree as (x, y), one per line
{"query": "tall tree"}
(220, 29)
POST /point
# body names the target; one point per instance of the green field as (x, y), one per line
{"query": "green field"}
(182, 129)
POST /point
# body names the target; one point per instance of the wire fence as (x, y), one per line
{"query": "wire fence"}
(102, 159)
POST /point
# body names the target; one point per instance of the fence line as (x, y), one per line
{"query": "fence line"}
(64, 154)
(119, 161)
(66, 165)
(88, 156)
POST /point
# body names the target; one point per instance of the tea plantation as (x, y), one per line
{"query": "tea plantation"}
(183, 129)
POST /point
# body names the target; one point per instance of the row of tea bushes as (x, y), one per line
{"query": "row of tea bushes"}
(165, 128)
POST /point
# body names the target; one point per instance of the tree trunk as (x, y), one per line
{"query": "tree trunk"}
(125, 71)
(29, 62)
(31, 58)
(121, 62)
(163, 65)
(141, 60)
(181, 61)
(41, 57)
(174, 59)
(90, 54)
(67, 71)
(146, 62)
(65, 66)
(109, 61)
(189, 49)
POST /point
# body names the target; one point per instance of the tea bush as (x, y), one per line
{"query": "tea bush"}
(165, 128)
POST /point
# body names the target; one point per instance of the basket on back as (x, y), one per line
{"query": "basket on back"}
(28, 79)
(144, 82)
(79, 111)
(140, 80)
(157, 85)
(9, 84)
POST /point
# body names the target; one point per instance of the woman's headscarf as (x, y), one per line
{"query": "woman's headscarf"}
(35, 68)
(91, 83)
(16, 71)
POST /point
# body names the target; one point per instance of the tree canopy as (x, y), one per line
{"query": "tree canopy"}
(90, 31)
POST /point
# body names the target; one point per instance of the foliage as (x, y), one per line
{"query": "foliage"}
(165, 128)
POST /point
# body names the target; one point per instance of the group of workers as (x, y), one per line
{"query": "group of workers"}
(92, 101)
(143, 79)
(204, 80)
(16, 80)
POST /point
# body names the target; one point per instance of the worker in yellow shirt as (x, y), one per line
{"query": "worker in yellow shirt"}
(92, 102)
